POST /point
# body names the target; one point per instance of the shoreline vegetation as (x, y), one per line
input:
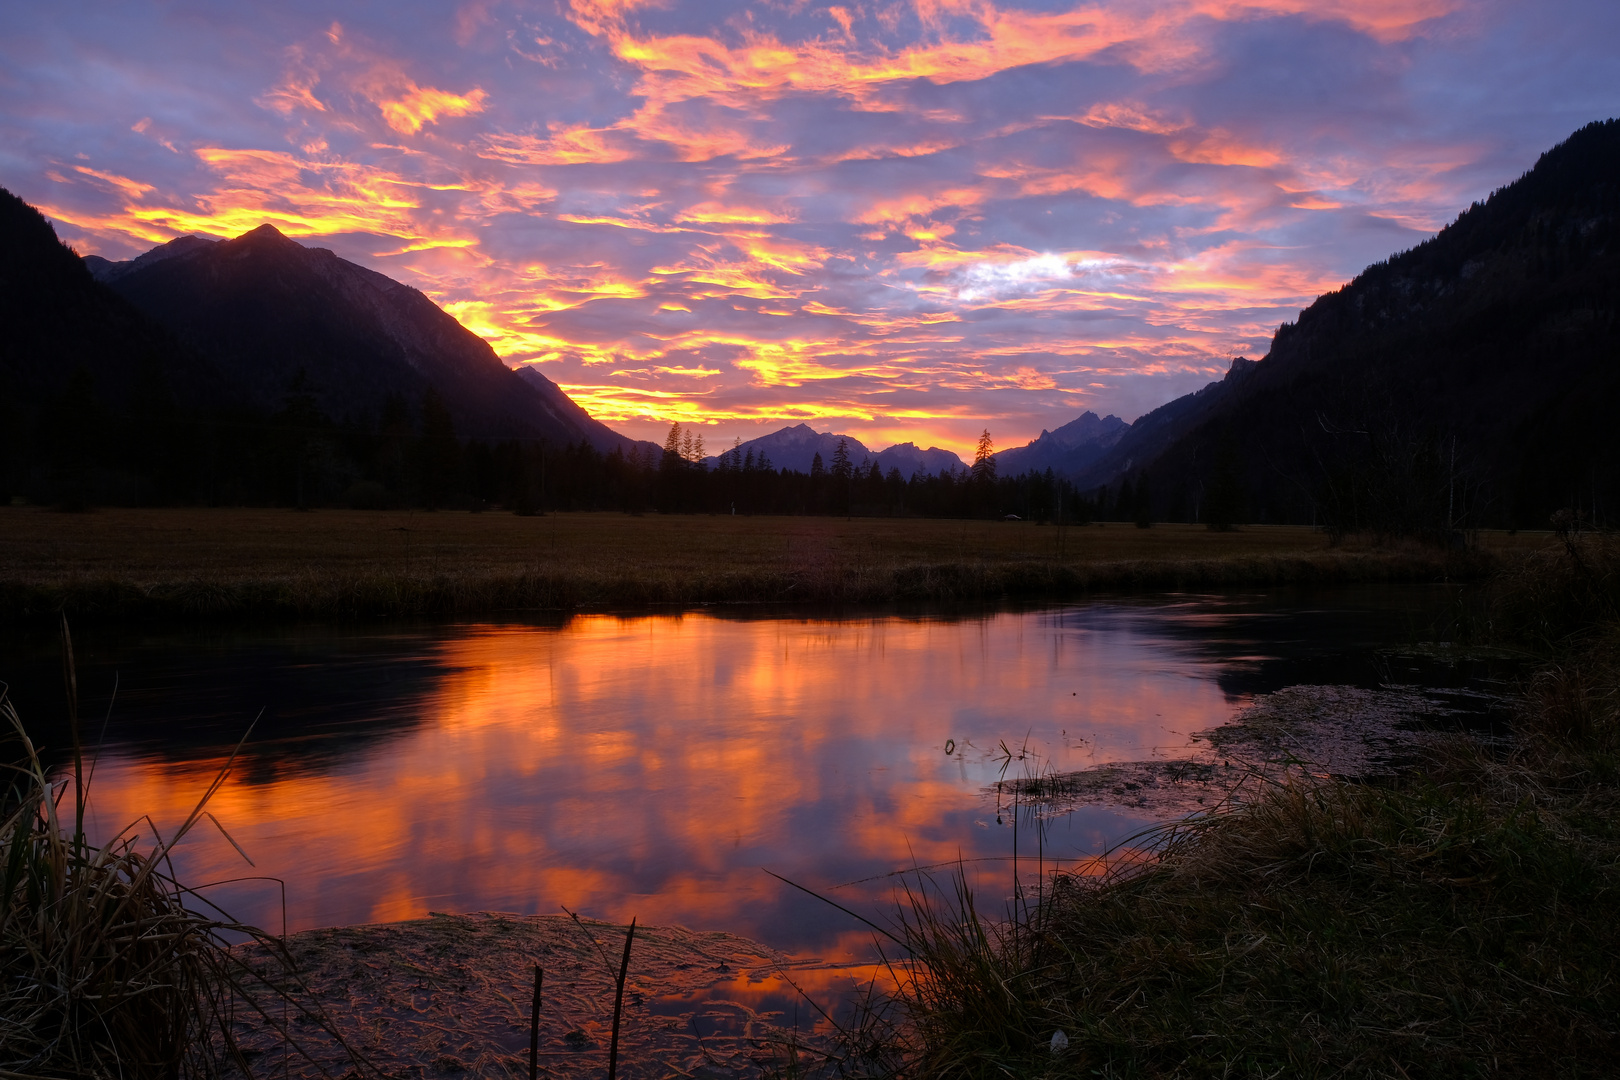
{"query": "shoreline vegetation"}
(125, 564)
(1460, 919)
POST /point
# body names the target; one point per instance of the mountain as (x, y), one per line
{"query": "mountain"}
(1154, 432)
(271, 313)
(912, 461)
(1068, 450)
(1475, 377)
(106, 271)
(55, 319)
(796, 447)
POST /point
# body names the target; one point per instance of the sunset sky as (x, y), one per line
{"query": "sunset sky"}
(904, 221)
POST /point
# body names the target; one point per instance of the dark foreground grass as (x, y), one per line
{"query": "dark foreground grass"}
(119, 564)
(1462, 922)
(110, 965)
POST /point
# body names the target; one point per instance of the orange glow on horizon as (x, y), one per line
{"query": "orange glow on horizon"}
(899, 253)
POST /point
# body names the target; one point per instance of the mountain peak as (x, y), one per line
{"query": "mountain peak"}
(267, 236)
(266, 231)
(270, 308)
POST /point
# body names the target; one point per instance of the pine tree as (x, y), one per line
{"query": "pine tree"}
(840, 462)
(1223, 504)
(1125, 504)
(984, 461)
(440, 450)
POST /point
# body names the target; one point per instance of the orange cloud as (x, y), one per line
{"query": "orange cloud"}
(420, 105)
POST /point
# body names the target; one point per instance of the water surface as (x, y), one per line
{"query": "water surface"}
(652, 765)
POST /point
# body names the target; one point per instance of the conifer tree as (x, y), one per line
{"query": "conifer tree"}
(440, 451)
(1124, 508)
(984, 462)
(1223, 503)
(840, 461)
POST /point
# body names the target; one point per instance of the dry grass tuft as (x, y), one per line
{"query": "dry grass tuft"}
(108, 968)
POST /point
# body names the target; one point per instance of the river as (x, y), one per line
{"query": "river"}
(655, 765)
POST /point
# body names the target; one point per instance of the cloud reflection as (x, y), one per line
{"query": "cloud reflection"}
(651, 767)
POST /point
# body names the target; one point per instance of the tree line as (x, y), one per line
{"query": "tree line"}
(76, 451)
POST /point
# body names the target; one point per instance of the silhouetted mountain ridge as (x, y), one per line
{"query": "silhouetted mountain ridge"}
(1067, 450)
(1475, 373)
(268, 311)
(795, 447)
(55, 319)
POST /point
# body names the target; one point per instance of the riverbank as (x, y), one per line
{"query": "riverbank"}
(129, 564)
(1462, 919)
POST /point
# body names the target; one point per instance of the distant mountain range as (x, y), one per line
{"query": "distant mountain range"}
(796, 447)
(266, 310)
(1067, 451)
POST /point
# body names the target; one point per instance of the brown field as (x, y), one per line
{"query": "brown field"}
(343, 563)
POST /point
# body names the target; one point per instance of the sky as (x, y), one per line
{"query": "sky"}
(905, 221)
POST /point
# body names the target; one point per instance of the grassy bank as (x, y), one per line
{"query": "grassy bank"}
(117, 564)
(1463, 921)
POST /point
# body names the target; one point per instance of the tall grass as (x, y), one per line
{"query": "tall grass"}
(1462, 921)
(109, 964)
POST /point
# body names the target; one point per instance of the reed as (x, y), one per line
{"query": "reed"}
(109, 964)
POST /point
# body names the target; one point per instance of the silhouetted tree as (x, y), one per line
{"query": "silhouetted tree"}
(1223, 499)
(73, 429)
(984, 462)
(440, 452)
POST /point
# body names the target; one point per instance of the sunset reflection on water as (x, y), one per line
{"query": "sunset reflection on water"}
(653, 765)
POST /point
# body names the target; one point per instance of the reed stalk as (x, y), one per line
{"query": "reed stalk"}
(110, 965)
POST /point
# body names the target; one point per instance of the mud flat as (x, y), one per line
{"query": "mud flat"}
(450, 995)
(1338, 732)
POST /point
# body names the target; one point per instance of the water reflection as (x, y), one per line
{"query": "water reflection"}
(652, 765)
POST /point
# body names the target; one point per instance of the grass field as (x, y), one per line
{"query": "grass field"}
(190, 562)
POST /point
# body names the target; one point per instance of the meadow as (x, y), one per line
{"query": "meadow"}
(265, 563)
